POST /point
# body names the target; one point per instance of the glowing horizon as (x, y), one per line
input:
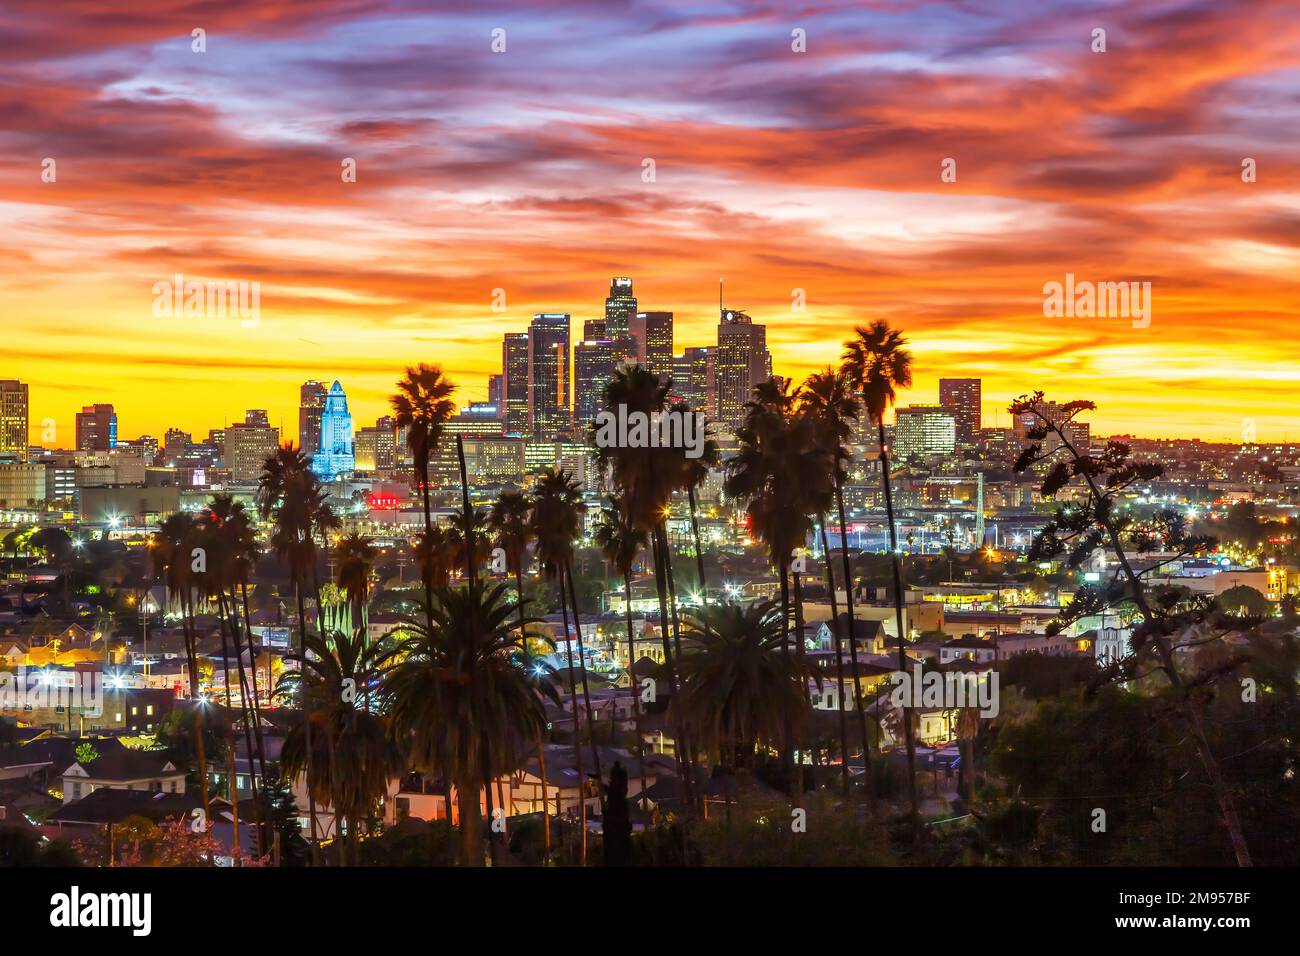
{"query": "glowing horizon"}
(523, 171)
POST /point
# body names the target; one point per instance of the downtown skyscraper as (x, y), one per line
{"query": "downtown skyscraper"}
(13, 420)
(335, 456)
(514, 382)
(961, 396)
(96, 428)
(653, 332)
(548, 375)
(593, 367)
(311, 402)
(742, 362)
(620, 316)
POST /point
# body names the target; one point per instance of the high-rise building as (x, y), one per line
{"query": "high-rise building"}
(690, 376)
(335, 456)
(741, 363)
(479, 419)
(514, 376)
(496, 393)
(376, 446)
(13, 419)
(548, 374)
(96, 428)
(593, 330)
(620, 316)
(654, 334)
(924, 430)
(593, 367)
(961, 396)
(311, 402)
(247, 447)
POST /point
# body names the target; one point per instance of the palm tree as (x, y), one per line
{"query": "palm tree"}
(458, 684)
(356, 554)
(829, 402)
(782, 474)
(290, 496)
(435, 555)
(693, 474)
(508, 522)
(556, 524)
(620, 540)
(422, 406)
(740, 685)
(644, 480)
(173, 555)
(352, 754)
(877, 365)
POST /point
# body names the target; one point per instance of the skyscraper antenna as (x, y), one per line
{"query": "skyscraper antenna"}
(719, 295)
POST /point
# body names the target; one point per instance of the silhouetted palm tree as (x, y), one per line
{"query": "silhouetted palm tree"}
(459, 684)
(620, 541)
(422, 406)
(508, 522)
(356, 554)
(877, 365)
(827, 399)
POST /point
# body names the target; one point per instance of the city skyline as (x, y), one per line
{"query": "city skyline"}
(818, 174)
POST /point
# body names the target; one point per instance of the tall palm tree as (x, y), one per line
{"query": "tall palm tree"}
(644, 480)
(782, 474)
(508, 522)
(877, 365)
(356, 554)
(173, 551)
(352, 755)
(423, 406)
(620, 541)
(557, 524)
(828, 401)
(694, 472)
(458, 684)
(290, 496)
(435, 555)
(740, 685)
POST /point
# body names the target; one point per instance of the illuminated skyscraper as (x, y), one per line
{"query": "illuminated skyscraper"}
(924, 430)
(620, 315)
(311, 402)
(13, 420)
(96, 428)
(334, 456)
(742, 362)
(548, 375)
(961, 396)
(593, 367)
(691, 373)
(654, 334)
(514, 382)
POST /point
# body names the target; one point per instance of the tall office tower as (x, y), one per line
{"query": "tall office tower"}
(13, 419)
(654, 334)
(961, 396)
(258, 417)
(924, 430)
(311, 401)
(514, 375)
(742, 362)
(376, 446)
(495, 395)
(478, 420)
(246, 447)
(96, 428)
(691, 377)
(335, 456)
(548, 375)
(620, 316)
(593, 330)
(593, 367)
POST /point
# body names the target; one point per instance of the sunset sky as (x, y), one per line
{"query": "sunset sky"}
(777, 170)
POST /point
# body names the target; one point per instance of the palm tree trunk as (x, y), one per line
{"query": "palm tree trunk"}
(661, 586)
(577, 729)
(787, 759)
(853, 641)
(567, 571)
(188, 628)
(839, 659)
(485, 749)
(799, 652)
(471, 820)
(427, 574)
(225, 623)
(306, 709)
(546, 814)
(699, 552)
(677, 645)
(631, 659)
(897, 564)
(252, 660)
